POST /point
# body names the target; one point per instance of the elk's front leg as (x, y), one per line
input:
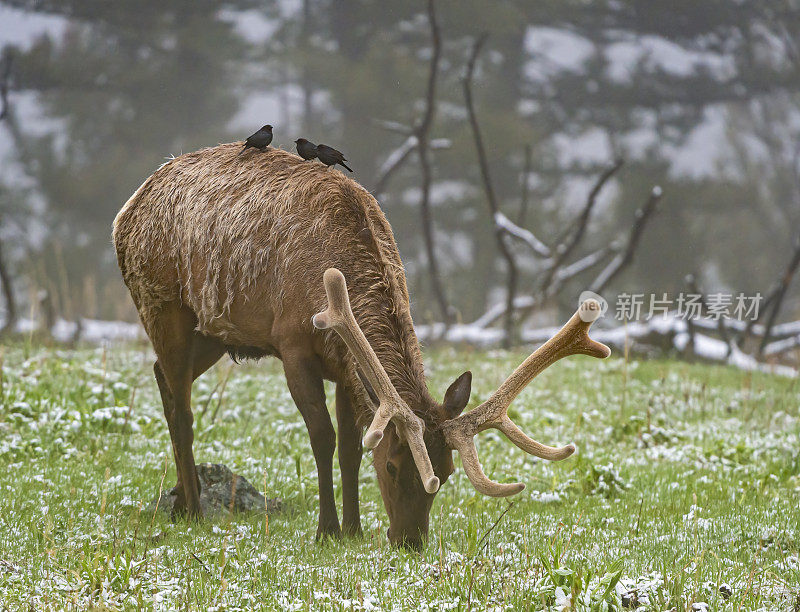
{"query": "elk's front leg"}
(304, 377)
(350, 451)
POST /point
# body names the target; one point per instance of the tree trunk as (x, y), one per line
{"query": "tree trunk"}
(8, 295)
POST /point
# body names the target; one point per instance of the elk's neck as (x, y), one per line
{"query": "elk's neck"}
(380, 301)
(390, 332)
(402, 360)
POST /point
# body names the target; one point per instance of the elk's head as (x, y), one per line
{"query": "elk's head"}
(413, 457)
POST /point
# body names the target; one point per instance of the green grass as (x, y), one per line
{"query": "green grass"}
(687, 478)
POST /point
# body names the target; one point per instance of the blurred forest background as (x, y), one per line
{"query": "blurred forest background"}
(700, 97)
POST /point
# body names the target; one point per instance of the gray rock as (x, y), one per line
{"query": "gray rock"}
(630, 599)
(220, 492)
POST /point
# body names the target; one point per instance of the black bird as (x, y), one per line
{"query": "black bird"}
(305, 149)
(260, 140)
(330, 156)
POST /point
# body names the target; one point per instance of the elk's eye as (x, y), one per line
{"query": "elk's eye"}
(392, 469)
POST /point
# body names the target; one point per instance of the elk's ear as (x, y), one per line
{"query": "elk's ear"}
(457, 395)
(370, 391)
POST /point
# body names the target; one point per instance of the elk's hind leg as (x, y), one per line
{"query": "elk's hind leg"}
(350, 451)
(166, 401)
(183, 355)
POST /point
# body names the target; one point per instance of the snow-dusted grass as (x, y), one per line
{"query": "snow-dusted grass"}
(684, 494)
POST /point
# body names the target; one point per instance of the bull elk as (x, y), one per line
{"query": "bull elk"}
(260, 256)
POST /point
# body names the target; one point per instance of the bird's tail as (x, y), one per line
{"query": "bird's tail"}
(344, 165)
(242, 151)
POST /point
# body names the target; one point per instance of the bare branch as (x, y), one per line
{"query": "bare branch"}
(525, 305)
(394, 126)
(5, 84)
(437, 144)
(584, 263)
(491, 198)
(427, 227)
(8, 294)
(621, 261)
(752, 327)
(784, 330)
(423, 128)
(526, 171)
(780, 293)
(422, 132)
(779, 347)
(691, 281)
(393, 162)
(418, 138)
(5, 276)
(624, 256)
(691, 345)
(476, 131)
(539, 248)
(398, 157)
(494, 313)
(574, 233)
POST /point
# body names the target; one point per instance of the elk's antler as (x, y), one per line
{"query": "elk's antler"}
(572, 339)
(339, 317)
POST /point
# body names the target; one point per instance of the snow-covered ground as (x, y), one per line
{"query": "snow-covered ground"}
(633, 335)
(92, 331)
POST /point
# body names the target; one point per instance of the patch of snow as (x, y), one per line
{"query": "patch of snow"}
(21, 28)
(703, 150)
(655, 53)
(96, 331)
(555, 50)
(591, 147)
(441, 192)
(252, 25)
(93, 331)
(479, 333)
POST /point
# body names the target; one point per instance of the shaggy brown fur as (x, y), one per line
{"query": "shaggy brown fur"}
(222, 252)
(228, 237)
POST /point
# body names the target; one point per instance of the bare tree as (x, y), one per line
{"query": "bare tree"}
(5, 276)
(779, 292)
(5, 83)
(556, 275)
(624, 259)
(525, 186)
(575, 231)
(694, 287)
(422, 133)
(491, 198)
(557, 272)
(8, 295)
(418, 139)
(556, 267)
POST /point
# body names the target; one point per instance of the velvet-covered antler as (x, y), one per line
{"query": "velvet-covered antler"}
(339, 317)
(572, 339)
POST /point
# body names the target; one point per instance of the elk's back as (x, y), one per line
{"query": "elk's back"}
(229, 234)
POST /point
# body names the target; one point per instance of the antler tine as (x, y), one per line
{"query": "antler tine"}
(572, 339)
(465, 445)
(339, 317)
